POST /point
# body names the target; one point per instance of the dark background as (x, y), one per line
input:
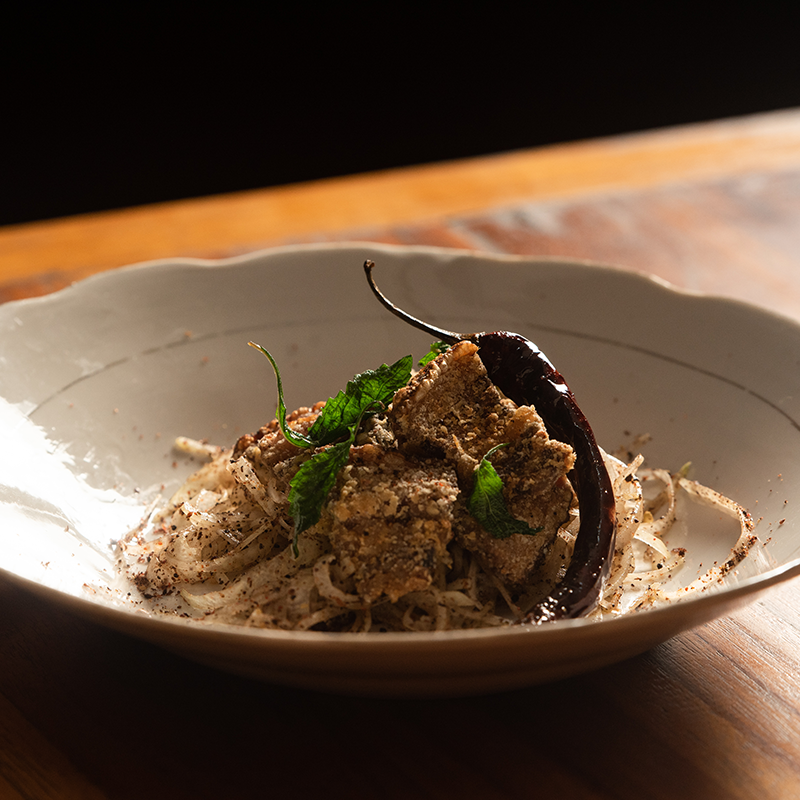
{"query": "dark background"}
(134, 104)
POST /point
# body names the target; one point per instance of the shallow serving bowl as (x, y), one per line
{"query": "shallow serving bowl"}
(99, 379)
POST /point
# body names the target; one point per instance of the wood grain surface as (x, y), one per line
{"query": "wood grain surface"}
(37, 257)
(715, 712)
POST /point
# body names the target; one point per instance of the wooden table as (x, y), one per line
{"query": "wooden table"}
(88, 713)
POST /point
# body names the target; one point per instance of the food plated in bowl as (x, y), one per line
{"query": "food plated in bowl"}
(381, 509)
(131, 360)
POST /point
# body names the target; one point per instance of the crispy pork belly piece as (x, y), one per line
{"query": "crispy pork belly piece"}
(533, 468)
(390, 518)
(452, 407)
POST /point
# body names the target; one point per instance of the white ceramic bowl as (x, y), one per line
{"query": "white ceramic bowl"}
(98, 380)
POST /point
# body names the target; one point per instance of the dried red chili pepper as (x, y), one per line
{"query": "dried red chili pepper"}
(525, 375)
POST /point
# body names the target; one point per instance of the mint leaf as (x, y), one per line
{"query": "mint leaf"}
(487, 505)
(295, 438)
(367, 393)
(437, 348)
(310, 487)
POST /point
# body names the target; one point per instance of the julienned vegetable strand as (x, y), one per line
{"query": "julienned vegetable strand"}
(524, 374)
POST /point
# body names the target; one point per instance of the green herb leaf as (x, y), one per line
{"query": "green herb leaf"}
(310, 487)
(437, 348)
(367, 393)
(298, 439)
(487, 505)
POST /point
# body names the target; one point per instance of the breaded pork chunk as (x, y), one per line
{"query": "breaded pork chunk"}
(451, 408)
(389, 519)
